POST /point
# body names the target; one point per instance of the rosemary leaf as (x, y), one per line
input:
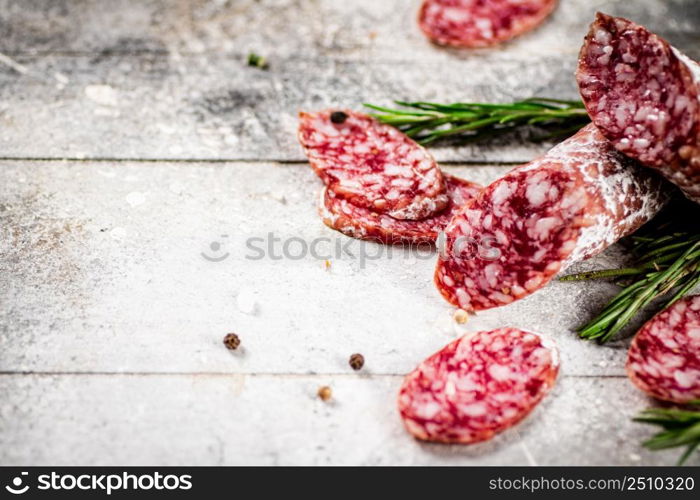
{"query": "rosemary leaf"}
(428, 122)
(679, 428)
(667, 263)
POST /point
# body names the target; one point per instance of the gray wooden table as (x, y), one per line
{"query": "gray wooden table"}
(133, 136)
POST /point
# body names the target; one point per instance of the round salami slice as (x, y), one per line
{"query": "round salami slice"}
(364, 224)
(644, 96)
(523, 229)
(664, 358)
(372, 165)
(477, 386)
(480, 23)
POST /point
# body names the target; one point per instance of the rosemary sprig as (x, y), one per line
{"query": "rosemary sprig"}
(427, 122)
(666, 263)
(679, 428)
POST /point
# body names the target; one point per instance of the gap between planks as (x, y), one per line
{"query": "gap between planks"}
(48, 159)
(366, 375)
(12, 57)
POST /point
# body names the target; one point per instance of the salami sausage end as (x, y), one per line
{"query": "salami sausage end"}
(664, 358)
(644, 96)
(526, 227)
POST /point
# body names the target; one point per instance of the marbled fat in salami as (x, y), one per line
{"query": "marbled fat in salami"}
(644, 96)
(372, 165)
(480, 23)
(478, 386)
(364, 224)
(523, 229)
(664, 358)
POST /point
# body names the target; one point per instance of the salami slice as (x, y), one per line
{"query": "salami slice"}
(372, 165)
(480, 23)
(644, 96)
(477, 386)
(664, 358)
(523, 229)
(364, 224)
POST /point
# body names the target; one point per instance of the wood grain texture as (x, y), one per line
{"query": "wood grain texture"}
(357, 30)
(235, 419)
(158, 79)
(104, 263)
(216, 107)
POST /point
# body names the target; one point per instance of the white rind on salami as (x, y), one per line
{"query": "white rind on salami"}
(372, 165)
(478, 385)
(480, 23)
(358, 222)
(644, 96)
(526, 227)
(664, 358)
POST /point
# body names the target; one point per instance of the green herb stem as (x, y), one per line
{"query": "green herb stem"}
(678, 428)
(665, 264)
(427, 122)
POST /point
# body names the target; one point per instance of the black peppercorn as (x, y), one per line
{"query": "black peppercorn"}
(338, 117)
(231, 341)
(357, 361)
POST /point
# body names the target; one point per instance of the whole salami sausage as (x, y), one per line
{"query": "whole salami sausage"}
(364, 224)
(480, 23)
(644, 96)
(477, 386)
(664, 358)
(372, 165)
(529, 225)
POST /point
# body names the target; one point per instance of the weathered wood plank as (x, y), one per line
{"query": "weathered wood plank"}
(103, 271)
(357, 30)
(123, 79)
(214, 107)
(216, 420)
